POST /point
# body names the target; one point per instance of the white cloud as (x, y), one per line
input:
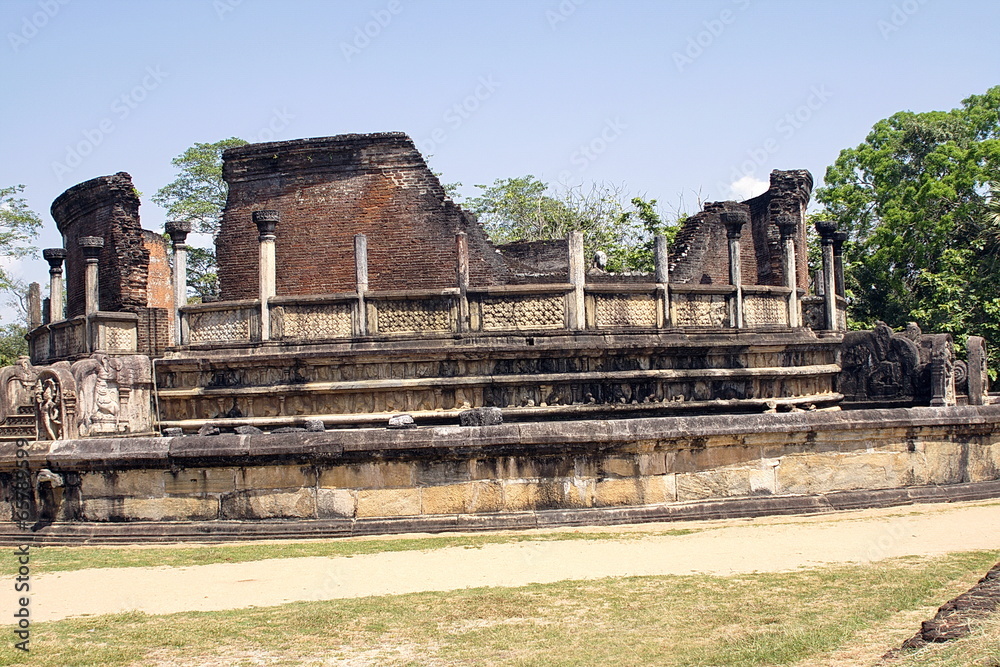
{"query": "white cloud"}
(748, 187)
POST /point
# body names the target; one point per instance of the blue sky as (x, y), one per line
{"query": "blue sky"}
(674, 100)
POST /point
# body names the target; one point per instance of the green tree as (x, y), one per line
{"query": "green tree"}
(526, 209)
(198, 195)
(19, 226)
(914, 200)
(12, 343)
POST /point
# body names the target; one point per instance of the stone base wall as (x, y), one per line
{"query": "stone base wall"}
(447, 471)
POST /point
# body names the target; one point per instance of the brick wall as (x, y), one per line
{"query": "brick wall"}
(700, 252)
(329, 189)
(133, 270)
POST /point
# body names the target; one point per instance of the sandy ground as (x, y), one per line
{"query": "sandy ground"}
(719, 547)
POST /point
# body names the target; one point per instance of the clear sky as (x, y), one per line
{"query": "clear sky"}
(678, 101)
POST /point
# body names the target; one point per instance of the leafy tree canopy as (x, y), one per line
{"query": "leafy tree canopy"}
(19, 226)
(915, 201)
(526, 209)
(198, 194)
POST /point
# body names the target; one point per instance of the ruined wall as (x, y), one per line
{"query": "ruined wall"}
(329, 189)
(107, 206)
(700, 252)
(788, 194)
(133, 267)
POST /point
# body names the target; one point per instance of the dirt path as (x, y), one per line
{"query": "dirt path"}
(720, 547)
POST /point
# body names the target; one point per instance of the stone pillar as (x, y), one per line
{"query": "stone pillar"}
(361, 276)
(55, 257)
(838, 263)
(734, 221)
(91, 247)
(578, 278)
(661, 260)
(178, 231)
(788, 227)
(34, 306)
(978, 380)
(267, 223)
(827, 229)
(462, 270)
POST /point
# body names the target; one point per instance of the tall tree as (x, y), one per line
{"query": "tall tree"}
(914, 200)
(198, 195)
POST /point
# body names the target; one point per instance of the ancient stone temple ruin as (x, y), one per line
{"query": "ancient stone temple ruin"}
(375, 363)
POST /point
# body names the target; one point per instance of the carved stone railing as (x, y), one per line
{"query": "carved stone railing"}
(519, 308)
(765, 306)
(495, 309)
(625, 306)
(701, 305)
(221, 322)
(314, 318)
(107, 332)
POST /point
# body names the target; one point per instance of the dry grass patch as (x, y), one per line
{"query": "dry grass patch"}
(62, 559)
(761, 619)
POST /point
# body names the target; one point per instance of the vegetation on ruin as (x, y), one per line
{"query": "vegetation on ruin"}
(527, 209)
(807, 617)
(918, 199)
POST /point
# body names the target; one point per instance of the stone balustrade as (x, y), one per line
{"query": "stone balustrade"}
(497, 309)
(106, 332)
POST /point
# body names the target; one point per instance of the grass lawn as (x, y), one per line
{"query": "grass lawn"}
(62, 559)
(758, 619)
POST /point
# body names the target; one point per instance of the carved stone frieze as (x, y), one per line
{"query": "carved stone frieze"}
(626, 311)
(699, 310)
(413, 316)
(765, 310)
(216, 326)
(523, 313)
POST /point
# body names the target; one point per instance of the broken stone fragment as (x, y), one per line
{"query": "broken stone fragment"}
(248, 430)
(401, 421)
(173, 432)
(208, 429)
(315, 425)
(481, 417)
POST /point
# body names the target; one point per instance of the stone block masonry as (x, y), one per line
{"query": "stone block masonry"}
(504, 475)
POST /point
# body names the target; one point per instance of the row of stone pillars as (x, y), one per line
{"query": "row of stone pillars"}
(833, 269)
(734, 221)
(53, 310)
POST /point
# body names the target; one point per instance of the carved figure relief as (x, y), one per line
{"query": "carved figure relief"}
(879, 365)
(100, 404)
(48, 407)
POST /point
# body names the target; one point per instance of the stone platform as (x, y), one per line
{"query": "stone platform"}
(358, 481)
